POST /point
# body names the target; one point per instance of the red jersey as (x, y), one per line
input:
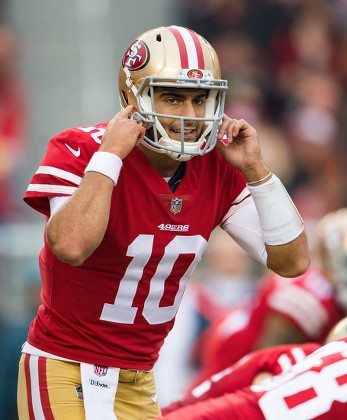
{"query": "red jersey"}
(273, 360)
(313, 389)
(307, 301)
(118, 306)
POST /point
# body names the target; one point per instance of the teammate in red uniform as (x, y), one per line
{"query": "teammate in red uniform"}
(130, 205)
(310, 384)
(282, 310)
(260, 363)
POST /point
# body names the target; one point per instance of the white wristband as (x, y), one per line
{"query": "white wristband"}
(280, 220)
(105, 163)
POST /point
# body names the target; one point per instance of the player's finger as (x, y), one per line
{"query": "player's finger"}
(226, 128)
(126, 112)
(141, 136)
(237, 127)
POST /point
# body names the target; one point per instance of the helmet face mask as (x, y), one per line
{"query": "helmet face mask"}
(173, 57)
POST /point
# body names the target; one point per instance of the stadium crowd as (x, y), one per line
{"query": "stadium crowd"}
(286, 63)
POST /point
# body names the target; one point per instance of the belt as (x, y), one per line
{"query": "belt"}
(131, 375)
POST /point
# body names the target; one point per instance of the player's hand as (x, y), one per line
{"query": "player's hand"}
(122, 133)
(239, 145)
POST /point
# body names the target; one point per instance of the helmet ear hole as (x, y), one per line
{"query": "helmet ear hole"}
(125, 97)
(158, 38)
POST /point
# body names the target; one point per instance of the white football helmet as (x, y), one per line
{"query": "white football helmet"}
(332, 250)
(172, 56)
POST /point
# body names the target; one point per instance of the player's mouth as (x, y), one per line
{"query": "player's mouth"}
(189, 134)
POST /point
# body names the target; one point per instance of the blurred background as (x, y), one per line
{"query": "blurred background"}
(286, 63)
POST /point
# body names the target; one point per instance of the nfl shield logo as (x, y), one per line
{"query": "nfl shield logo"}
(100, 370)
(176, 205)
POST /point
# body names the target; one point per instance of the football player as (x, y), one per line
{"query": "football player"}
(310, 384)
(130, 204)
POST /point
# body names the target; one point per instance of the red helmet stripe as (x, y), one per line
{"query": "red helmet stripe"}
(189, 48)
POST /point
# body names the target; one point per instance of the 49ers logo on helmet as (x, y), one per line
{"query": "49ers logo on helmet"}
(195, 74)
(136, 56)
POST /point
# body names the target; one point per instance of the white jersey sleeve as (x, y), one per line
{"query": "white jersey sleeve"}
(243, 225)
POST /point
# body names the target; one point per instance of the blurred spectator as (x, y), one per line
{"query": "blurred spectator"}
(211, 17)
(246, 100)
(316, 139)
(227, 272)
(13, 130)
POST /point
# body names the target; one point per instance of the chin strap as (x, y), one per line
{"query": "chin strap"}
(182, 157)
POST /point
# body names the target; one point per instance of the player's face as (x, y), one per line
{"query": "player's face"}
(183, 103)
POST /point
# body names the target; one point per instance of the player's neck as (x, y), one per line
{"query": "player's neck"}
(165, 165)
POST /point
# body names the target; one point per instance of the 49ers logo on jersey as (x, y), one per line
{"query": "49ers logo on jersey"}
(136, 56)
(100, 370)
